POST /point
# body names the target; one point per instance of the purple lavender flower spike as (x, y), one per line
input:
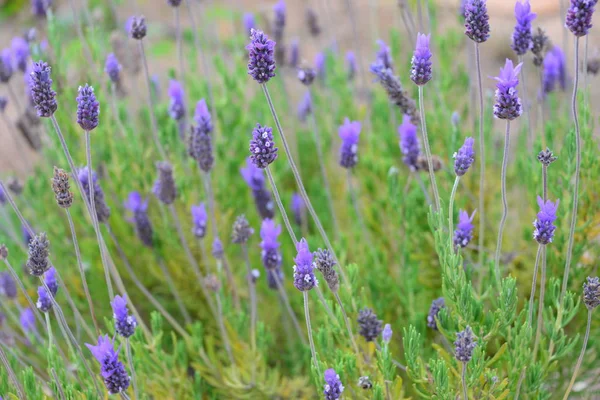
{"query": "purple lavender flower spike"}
(269, 233)
(551, 73)
(124, 323)
(2, 197)
(420, 72)
(522, 35)
(464, 345)
(136, 27)
(102, 209)
(280, 13)
(349, 132)
(409, 143)
(164, 186)
(37, 255)
(561, 66)
(333, 385)
(436, 306)
(369, 326)
(3, 104)
(579, 16)
(544, 224)
(386, 335)
(44, 302)
(395, 91)
(261, 56)
(8, 286)
(262, 147)
(295, 53)
(464, 229)
(39, 8)
(384, 55)
(477, 27)
(143, 226)
(199, 219)
(351, 64)
(113, 68)
(200, 146)
(6, 66)
(464, 157)
(297, 208)
(27, 320)
(40, 84)
(305, 107)
(112, 370)
(320, 65)
(274, 278)
(591, 293)
(202, 116)
(508, 105)
(20, 50)
(88, 108)
(51, 282)
(217, 249)
(177, 104)
(304, 276)
(312, 20)
(255, 179)
(249, 22)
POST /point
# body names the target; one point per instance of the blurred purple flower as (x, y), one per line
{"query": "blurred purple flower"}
(522, 35)
(349, 133)
(298, 207)
(112, 370)
(384, 55)
(464, 229)
(409, 143)
(20, 50)
(420, 72)
(320, 65)
(124, 323)
(6, 66)
(143, 226)
(351, 64)
(270, 255)
(249, 22)
(177, 104)
(112, 68)
(305, 107)
(199, 220)
(27, 320)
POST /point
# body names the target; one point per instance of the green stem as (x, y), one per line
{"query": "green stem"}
(504, 203)
(451, 209)
(310, 337)
(436, 194)
(481, 158)
(580, 359)
(533, 286)
(464, 381)
(130, 360)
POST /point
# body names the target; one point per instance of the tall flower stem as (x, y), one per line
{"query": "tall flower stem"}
(153, 122)
(288, 306)
(533, 286)
(86, 290)
(464, 381)
(481, 157)
(131, 368)
(423, 188)
(314, 128)
(49, 326)
(436, 194)
(526, 107)
(354, 199)
(451, 207)
(173, 289)
(504, 203)
(252, 289)
(11, 374)
(310, 337)
(347, 322)
(303, 193)
(115, 110)
(580, 359)
(540, 317)
(223, 330)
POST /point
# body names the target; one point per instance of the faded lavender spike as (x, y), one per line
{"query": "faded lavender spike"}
(270, 254)
(6, 66)
(384, 55)
(102, 209)
(2, 197)
(177, 104)
(333, 385)
(436, 306)
(249, 22)
(420, 72)
(217, 249)
(39, 8)
(255, 179)
(62, 188)
(174, 3)
(44, 302)
(546, 157)
(579, 16)
(561, 62)
(294, 53)
(395, 91)
(320, 65)
(3, 252)
(37, 260)
(261, 56)
(164, 186)
(508, 105)
(464, 345)
(8, 286)
(143, 226)
(298, 207)
(369, 326)
(522, 35)
(279, 10)
(464, 157)
(351, 64)
(551, 73)
(386, 335)
(262, 147)
(20, 50)
(591, 293)
(27, 320)
(51, 282)
(306, 75)
(113, 68)
(312, 20)
(88, 108)
(305, 107)
(544, 224)
(136, 27)
(124, 323)
(3, 103)
(241, 230)
(477, 27)
(539, 47)
(464, 229)
(409, 143)
(199, 220)
(112, 370)
(349, 132)
(200, 148)
(42, 95)
(304, 276)
(275, 278)
(325, 263)
(202, 116)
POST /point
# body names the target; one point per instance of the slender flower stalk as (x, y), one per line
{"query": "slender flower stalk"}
(11, 374)
(534, 286)
(131, 368)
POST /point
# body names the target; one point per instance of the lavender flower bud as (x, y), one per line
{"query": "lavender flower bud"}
(37, 261)
(143, 226)
(164, 187)
(102, 209)
(20, 50)
(591, 293)
(255, 179)
(579, 16)
(177, 105)
(384, 55)
(199, 220)
(124, 323)
(539, 46)
(304, 276)
(295, 53)
(333, 385)
(39, 8)
(508, 105)
(477, 27)
(306, 76)
(546, 157)
(44, 98)
(136, 27)
(3, 252)
(409, 143)
(261, 57)
(8, 286)
(298, 207)
(241, 230)
(349, 133)
(544, 224)
(436, 306)
(351, 65)
(325, 263)
(395, 92)
(62, 188)
(420, 72)
(262, 147)
(386, 335)
(217, 249)
(369, 326)
(6, 66)
(88, 108)
(312, 21)
(202, 117)
(113, 68)
(44, 303)
(112, 370)
(305, 107)
(464, 158)
(249, 22)
(27, 320)
(464, 229)
(269, 233)
(3, 103)
(464, 345)
(522, 36)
